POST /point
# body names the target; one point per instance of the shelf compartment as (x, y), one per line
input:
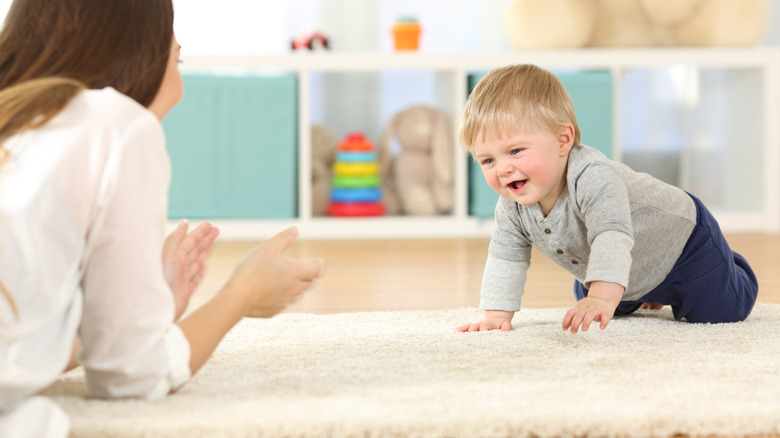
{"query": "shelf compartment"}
(233, 146)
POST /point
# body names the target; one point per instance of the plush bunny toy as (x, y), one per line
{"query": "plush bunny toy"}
(416, 158)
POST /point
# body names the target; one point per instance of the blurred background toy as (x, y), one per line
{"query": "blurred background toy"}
(416, 157)
(711, 22)
(356, 182)
(549, 24)
(324, 144)
(406, 33)
(310, 41)
(624, 23)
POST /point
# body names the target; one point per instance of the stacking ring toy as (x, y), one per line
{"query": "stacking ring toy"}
(356, 179)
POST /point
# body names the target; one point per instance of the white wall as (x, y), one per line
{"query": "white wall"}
(206, 27)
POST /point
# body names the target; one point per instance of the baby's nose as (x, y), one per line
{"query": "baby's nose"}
(505, 169)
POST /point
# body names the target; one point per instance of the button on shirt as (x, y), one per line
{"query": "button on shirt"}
(609, 223)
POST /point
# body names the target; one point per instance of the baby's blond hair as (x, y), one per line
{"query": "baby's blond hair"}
(516, 97)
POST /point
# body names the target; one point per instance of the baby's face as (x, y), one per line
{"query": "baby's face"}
(526, 166)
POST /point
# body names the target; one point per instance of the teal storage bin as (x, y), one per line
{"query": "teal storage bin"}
(233, 147)
(591, 93)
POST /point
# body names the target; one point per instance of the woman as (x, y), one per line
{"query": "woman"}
(83, 204)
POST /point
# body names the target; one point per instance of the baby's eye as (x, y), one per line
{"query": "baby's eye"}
(515, 151)
(487, 161)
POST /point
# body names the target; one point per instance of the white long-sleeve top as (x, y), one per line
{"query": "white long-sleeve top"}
(83, 205)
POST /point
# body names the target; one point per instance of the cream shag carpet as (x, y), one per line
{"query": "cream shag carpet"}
(409, 374)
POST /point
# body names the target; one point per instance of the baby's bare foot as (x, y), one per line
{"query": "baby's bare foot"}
(651, 306)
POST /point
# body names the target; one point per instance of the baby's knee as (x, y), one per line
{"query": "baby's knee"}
(725, 313)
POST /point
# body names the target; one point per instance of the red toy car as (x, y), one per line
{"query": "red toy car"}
(310, 41)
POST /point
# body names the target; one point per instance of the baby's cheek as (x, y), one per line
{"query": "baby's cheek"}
(491, 179)
(537, 171)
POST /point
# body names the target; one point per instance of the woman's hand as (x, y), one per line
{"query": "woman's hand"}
(270, 282)
(184, 257)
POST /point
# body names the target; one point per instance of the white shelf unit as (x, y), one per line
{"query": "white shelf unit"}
(766, 60)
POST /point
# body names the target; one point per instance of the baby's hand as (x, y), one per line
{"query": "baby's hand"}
(599, 305)
(494, 320)
(588, 310)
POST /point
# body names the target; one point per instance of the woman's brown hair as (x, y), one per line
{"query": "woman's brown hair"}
(51, 50)
(122, 44)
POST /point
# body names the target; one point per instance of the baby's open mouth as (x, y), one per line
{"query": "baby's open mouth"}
(516, 186)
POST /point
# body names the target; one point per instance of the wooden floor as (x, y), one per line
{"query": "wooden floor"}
(439, 274)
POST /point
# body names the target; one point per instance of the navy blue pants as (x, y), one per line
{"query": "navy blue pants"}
(708, 283)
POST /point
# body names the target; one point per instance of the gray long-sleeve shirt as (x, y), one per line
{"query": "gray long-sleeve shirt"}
(610, 223)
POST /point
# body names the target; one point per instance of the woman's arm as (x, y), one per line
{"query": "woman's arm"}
(263, 284)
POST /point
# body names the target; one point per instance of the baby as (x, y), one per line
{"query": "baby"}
(627, 237)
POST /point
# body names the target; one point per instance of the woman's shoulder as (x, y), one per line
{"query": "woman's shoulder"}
(106, 110)
(109, 103)
(99, 123)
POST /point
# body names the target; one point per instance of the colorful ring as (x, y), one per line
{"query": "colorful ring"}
(356, 209)
(356, 157)
(356, 145)
(355, 169)
(355, 195)
(355, 181)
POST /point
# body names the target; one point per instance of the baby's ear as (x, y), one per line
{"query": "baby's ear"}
(565, 139)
